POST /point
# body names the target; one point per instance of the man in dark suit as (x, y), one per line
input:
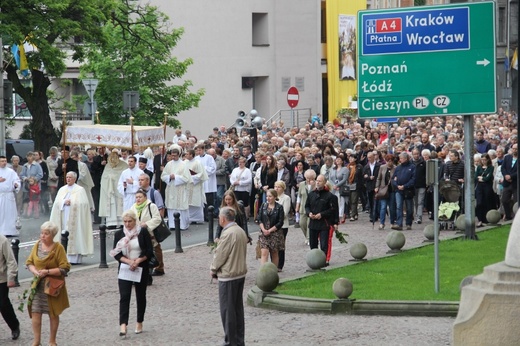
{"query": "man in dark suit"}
(159, 161)
(65, 164)
(509, 171)
(97, 166)
(370, 172)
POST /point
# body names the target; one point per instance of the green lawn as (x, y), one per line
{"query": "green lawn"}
(410, 275)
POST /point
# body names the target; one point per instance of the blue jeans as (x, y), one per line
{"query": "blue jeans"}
(390, 202)
(399, 201)
(221, 189)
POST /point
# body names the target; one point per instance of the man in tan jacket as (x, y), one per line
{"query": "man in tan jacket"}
(229, 265)
(8, 271)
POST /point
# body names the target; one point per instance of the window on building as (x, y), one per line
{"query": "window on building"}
(387, 3)
(260, 29)
(502, 25)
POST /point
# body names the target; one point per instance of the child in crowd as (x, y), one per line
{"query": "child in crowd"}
(34, 198)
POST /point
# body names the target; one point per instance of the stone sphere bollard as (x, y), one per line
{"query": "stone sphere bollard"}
(515, 207)
(315, 259)
(358, 251)
(429, 232)
(267, 277)
(460, 222)
(493, 216)
(342, 288)
(395, 240)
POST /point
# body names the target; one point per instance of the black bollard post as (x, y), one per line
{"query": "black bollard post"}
(177, 219)
(65, 239)
(15, 245)
(103, 246)
(210, 225)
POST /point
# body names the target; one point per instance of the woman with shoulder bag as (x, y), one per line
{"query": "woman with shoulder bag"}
(285, 201)
(384, 177)
(149, 217)
(132, 247)
(338, 176)
(355, 180)
(47, 261)
(270, 219)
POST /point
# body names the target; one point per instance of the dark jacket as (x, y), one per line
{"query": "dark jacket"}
(420, 173)
(482, 146)
(145, 243)
(240, 220)
(509, 169)
(72, 166)
(404, 175)
(454, 171)
(325, 203)
(269, 220)
(371, 184)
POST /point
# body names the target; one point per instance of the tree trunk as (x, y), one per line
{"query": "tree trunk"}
(38, 104)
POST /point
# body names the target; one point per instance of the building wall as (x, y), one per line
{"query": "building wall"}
(218, 37)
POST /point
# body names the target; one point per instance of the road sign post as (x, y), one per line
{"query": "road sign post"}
(293, 97)
(432, 60)
(91, 86)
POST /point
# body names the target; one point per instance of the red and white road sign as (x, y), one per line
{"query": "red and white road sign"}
(293, 96)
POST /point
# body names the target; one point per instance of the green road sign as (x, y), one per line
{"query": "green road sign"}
(428, 60)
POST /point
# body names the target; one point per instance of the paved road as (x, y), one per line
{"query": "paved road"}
(183, 305)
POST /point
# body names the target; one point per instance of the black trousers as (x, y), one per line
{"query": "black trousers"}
(324, 238)
(210, 200)
(232, 311)
(125, 293)
(281, 253)
(6, 308)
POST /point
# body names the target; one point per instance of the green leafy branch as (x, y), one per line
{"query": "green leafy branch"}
(340, 236)
(28, 294)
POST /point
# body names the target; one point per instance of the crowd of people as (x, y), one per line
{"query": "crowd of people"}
(319, 176)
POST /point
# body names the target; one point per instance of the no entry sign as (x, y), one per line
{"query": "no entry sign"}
(293, 96)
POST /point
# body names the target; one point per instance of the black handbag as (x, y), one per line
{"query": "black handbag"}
(153, 261)
(162, 231)
(344, 190)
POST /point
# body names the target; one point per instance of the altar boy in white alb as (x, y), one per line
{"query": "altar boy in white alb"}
(129, 183)
(9, 185)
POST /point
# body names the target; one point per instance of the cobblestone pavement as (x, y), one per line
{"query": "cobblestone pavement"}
(183, 304)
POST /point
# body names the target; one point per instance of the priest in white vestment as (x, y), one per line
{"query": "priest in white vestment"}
(177, 176)
(110, 200)
(196, 194)
(210, 185)
(9, 187)
(71, 212)
(128, 183)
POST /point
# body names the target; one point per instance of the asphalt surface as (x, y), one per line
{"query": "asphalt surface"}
(183, 305)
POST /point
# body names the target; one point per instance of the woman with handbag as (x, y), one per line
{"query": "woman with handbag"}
(270, 219)
(149, 217)
(355, 181)
(48, 262)
(386, 199)
(132, 249)
(338, 176)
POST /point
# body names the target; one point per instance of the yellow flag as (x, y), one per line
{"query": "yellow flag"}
(514, 61)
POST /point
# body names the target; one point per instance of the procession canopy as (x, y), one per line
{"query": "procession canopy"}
(115, 136)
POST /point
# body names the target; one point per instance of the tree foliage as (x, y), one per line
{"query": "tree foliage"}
(70, 29)
(137, 57)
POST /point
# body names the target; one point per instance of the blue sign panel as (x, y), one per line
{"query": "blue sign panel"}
(386, 120)
(444, 29)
